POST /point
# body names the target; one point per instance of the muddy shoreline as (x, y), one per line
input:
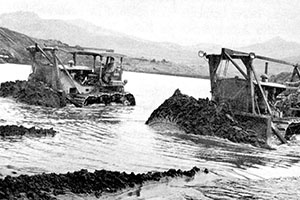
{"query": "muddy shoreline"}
(47, 186)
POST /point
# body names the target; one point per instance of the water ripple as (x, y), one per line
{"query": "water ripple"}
(116, 138)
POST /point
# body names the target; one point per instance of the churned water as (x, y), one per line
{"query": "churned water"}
(116, 138)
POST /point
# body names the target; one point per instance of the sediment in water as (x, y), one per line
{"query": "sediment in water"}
(33, 93)
(13, 130)
(204, 117)
(47, 186)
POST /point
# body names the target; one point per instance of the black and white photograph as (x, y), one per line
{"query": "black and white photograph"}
(149, 100)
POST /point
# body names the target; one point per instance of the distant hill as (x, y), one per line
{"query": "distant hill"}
(181, 59)
(80, 32)
(13, 46)
(13, 50)
(276, 47)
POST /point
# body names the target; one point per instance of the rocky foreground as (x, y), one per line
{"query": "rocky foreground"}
(47, 186)
(33, 93)
(204, 117)
(13, 130)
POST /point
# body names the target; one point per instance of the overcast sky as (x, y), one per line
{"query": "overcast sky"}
(224, 22)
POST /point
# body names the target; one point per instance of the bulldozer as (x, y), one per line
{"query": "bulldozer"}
(253, 99)
(91, 76)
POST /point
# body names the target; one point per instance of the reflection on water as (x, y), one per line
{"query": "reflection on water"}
(116, 138)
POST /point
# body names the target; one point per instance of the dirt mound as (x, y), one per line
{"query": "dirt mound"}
(33, 93)
(13, 130)
(45, 186)
(204, 117)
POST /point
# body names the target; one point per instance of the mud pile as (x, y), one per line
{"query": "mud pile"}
(47, 186)
(33, 93)
(13, 130)
(204, 117)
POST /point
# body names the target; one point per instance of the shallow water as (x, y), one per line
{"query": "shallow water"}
(116, 138)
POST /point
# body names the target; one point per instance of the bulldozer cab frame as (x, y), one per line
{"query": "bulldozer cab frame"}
(109, 64)
(246, 94)
(77, 73)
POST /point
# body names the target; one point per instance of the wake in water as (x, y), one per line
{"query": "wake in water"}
(116, 138)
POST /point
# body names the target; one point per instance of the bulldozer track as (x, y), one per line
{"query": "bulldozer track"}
(81, 100)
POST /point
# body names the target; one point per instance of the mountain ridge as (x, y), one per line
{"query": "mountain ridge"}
(83, 33)
(13, 50)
